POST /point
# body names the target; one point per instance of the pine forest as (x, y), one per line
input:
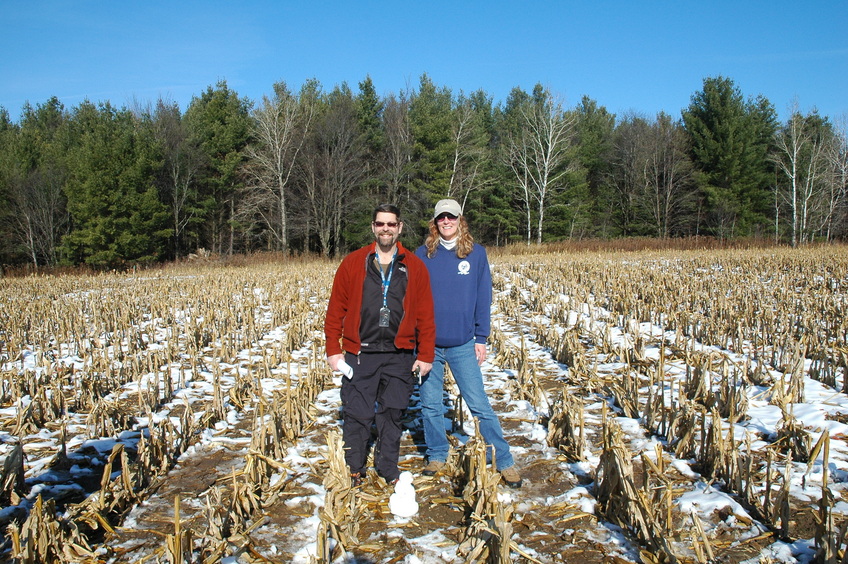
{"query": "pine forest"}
(299, 172)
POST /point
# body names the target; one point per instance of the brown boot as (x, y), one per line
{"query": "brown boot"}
(433, 468)
(511, 477)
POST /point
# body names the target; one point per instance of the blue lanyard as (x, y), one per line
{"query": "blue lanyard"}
(387, 278)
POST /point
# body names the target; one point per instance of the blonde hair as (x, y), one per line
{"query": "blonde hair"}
(464, 240)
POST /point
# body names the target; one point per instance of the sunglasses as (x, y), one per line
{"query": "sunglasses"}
(389, 224)
(445, 216)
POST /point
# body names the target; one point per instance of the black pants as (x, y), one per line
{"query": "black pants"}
(378, 392)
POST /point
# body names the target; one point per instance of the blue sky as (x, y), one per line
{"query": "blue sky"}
(627, 55)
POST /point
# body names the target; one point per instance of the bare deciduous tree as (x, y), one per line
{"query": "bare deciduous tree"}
(398, 146)
(800, 156)
(469, 152)
(538, 154)
(628, 154)
(837, 192)
(183, 162)
(333, 166)
(666, 174)
(280, 126)
(38, 212)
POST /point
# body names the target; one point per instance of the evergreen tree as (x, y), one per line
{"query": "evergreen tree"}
(111, 190)
(369, 110)
(376, 185)
(594, 143)
(731, 139)
(508, 220)
(431, 123)
(219, 122)
(8, 167)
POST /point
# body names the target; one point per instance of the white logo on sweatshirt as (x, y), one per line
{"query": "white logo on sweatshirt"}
(464, 267)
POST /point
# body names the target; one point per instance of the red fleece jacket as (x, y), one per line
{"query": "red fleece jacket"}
(418, 326)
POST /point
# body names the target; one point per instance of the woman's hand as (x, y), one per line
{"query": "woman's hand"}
(480, 352)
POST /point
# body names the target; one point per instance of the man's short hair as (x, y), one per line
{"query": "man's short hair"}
(386, 208)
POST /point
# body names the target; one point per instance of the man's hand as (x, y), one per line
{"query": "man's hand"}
(423, 367)
(480, 352)
(334, 361)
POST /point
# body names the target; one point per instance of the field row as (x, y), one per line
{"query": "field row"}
(662, 407)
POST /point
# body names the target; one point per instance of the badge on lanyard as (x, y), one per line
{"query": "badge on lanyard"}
(385, 313)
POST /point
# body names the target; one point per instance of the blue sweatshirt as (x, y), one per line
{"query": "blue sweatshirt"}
(462, 295)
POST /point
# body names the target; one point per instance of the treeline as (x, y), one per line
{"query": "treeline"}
(301, 171)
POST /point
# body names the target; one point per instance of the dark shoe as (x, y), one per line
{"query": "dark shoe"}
(511, 477)
(355, 480)
(389, 481)
(433, 468)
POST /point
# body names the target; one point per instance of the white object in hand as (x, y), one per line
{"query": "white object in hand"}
(402, 503)
(345, 369)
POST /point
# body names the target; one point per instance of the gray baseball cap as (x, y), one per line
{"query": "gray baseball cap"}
(447, 206)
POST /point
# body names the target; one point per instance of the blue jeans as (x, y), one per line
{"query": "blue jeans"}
(469, 379)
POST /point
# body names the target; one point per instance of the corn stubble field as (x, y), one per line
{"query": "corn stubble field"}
(187, 415)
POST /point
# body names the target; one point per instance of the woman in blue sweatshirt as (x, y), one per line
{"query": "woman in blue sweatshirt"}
(462, 298)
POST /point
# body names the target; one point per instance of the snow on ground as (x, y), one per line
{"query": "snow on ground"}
(824, 409)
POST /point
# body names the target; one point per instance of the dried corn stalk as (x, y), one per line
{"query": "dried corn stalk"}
(44, 538)
(684, 423)
(792, 437)
(619, 501)
(828, 538)
(565, 427)
(487, 536)
(12, 479)
(343, 510)
(732, 396)
(178, 546)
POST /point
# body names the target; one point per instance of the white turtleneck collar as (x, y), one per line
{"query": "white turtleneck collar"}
(449, 245)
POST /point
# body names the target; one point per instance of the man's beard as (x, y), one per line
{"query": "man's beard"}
(385, 247)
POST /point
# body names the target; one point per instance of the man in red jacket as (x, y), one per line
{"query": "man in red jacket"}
(381, 334)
